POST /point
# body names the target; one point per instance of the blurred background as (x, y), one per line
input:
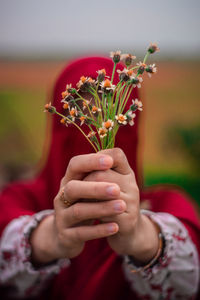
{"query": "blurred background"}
(38, 37)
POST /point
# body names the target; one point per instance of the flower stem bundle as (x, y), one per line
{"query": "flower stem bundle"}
(101, 105)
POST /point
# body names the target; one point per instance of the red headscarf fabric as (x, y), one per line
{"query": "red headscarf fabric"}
(27, 198)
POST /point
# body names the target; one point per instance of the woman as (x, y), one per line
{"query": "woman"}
(54, 246)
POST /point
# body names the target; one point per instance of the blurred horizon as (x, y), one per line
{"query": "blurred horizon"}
(44, 29)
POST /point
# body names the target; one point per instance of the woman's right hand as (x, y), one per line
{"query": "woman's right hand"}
(63, 234)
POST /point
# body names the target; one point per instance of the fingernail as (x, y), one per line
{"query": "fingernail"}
(112, 228)
(118, 206)
(111, 190)
(104, 161)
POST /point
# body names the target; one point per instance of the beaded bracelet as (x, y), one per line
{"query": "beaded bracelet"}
(154, 260)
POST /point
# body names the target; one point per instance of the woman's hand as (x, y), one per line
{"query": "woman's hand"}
(64, 233)
(137, 235)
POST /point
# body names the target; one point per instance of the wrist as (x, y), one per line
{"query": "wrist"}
(43, 242)
(145, 241)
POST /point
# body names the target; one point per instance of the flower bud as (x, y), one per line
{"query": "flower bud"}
(123, 76)
(116, 56)
(101, 75)
(127, 59)
(134, 80)
(51, 109)
(153, 48)
(72, 91)
(141, 70)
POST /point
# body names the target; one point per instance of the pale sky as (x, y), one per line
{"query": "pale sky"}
(60, 26)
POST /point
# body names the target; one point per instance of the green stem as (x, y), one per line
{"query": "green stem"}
(146, 56)
(98, 102)
(113, 72)
(117, 99)
(113, 97)
(112, 140)
(122, 99)
(133, 68)
(124, 104)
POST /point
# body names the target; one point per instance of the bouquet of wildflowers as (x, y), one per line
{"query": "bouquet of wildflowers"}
(100, 104)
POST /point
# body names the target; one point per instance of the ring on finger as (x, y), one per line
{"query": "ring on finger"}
(64, 200)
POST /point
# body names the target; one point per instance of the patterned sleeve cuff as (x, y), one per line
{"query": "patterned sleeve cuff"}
(16, 269)
(176, 272)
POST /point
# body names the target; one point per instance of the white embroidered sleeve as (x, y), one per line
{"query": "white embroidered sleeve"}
(176, 274)
(17, 273)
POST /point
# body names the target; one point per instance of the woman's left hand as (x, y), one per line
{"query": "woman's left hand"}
(137, 235)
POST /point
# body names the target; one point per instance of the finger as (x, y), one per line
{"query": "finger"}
(82, 164)
(75, 190)
(80, 212)
(120, 162)
(86, 233)
(111, 176)
(125, 221)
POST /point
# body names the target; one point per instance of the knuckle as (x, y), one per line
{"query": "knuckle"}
(78, 235)
(69, 188)
(72, 163)
(132, 173)
(62, 182)
(64, 239)
(135, 189)
(55, 201)
(76, 212)
(58, 222)
(119, 154)
(132, 222)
